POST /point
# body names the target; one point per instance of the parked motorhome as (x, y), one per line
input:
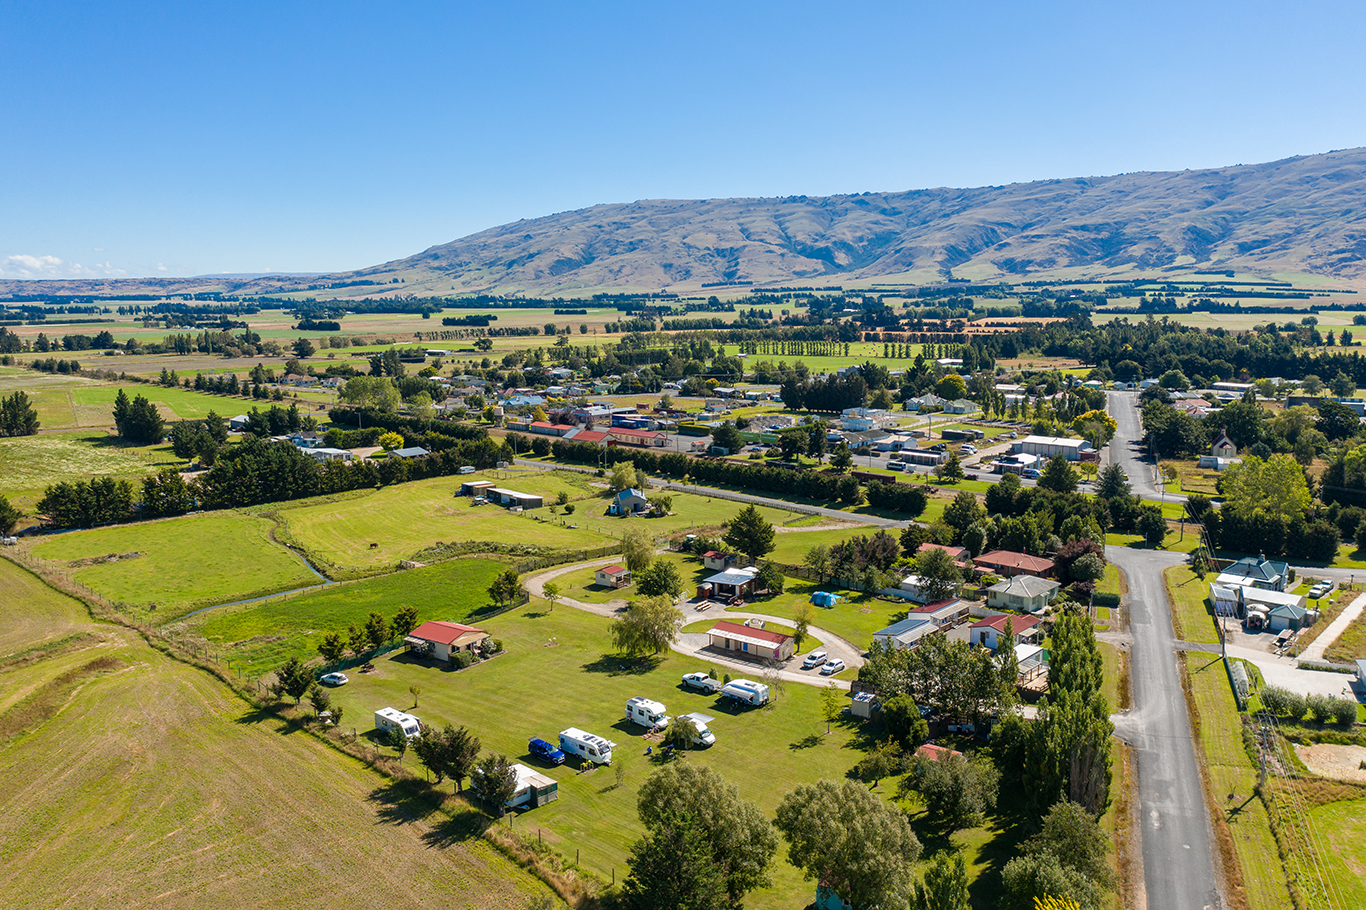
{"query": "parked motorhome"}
(647, 713)
(387, 719)
(746, 692)
(586, 746)
(702, 736)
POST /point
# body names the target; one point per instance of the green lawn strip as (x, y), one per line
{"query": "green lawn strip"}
(1174, 542)
(258, 637)
(1109, 582)
(558, 673)
(1349, 557)
(1192, 617)
(1109, 655)
(791, 548)
(1232, 771)
(187, 562)
(1342, 826)
(580, 585)
(809, 644)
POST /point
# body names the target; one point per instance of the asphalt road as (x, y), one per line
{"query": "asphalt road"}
(1179, 868)
(1125, 449)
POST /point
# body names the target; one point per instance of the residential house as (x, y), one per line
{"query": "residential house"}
(628, 502)
(1256, 572)
(750, 642)
(990, 632)
(612, 576)
(960, 555)
(546, 428)
(1008, 564)
(237, 423)
(907, 633)
(476, 487)
(1026, 593)
(960, 406)
(1223, 447)
(633, 437)
(936, 753)
(863, 419)
(523, 401)
(322, 453)
(944, 613)
(309, 440)
(440, 640)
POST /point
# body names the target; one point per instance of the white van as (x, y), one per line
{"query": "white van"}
(387, 719)
(701, 736)
(586, 746)
(746, 692)
(649, 714)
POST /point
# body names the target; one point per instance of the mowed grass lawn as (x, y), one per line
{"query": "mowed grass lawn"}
(94, 405)
(185, 563)
(1231, 771)
(30, 464)
(1192, 614)
(558, 672)
(259, 636)
(153, 786)
(855, 617)
(1351, 644)
(1342, 826)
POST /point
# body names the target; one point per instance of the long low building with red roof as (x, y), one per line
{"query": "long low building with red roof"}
(1008, 564)
(749, 641)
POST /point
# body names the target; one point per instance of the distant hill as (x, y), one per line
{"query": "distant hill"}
(1302, 215)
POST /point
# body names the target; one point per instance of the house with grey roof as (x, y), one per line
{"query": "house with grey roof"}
(1025, 593)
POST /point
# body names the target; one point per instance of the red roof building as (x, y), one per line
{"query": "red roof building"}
(442, 639)
(1008, 564)
(960, 555)
(936, 753)
(991, 631)
(750, 642)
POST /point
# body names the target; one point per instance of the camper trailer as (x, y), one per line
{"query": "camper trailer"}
(702, 736)
(649, 714)
(387, 719)
(746, 692)
(586, 746)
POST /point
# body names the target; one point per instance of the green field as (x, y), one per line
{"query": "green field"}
(1232, 771)
(185, 563)
(855, 618)
(577, 682)
(1351, 644)
(30, 464)
(790, 548)
(142, 782)
(257, 637)
(1342, 825)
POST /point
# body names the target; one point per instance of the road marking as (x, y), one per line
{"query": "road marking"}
(1155, 818)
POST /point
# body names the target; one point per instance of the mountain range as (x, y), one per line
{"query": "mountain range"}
(1298, 216)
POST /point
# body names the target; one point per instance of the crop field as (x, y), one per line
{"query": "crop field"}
(137, 781)
(30, 464)
(558, 672)
(257, 637)
(1231, 771)
(184, 563)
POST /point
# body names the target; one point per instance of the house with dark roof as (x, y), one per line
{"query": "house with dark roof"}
(717, 561)
(730, 583)
(945, 613)
(440, 640)
(1009, 564)
(750, 642)
(1256, 572)
(990, 632)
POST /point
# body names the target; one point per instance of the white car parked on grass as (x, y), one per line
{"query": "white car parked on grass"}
(333, 679)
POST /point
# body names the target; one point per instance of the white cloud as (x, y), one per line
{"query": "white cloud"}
(26, 266)
(160, 267)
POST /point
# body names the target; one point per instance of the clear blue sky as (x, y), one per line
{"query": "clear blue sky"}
(193, 138)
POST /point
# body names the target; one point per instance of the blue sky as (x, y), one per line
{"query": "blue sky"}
(183, 139)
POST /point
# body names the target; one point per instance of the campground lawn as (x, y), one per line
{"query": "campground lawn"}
(182, 563)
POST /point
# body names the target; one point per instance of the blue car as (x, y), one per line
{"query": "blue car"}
(544, 750)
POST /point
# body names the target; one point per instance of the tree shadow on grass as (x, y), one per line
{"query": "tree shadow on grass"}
(451, 816)
(806, 742)
(620, 665)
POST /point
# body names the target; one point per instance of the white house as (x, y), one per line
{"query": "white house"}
(857, 419)
(322, 453)
(906, 633)
(442, 639)
(612, 576)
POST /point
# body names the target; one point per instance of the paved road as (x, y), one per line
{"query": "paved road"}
(1125, 449)
(1178, 859)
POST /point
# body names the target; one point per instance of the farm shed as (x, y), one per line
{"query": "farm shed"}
(718, 562)
(475, 487)
(731, 583)
(1048, 446)
(442, 639)
(729, 636)
(1225, 599)
(863, 704)
(612, 576)
(410, 452)
(513, 498)
(628, 502)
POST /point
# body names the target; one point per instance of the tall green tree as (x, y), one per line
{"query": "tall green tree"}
(672, 866)
(448, 752)
(939, 576)
(293, 679)
(17, 416)
(957, 792)
(496, 780)
(1113, 482)
(507, 588)
(740, 839)
(9, 517)
(750, 533)
(945, 886)
(1075, 664)
(637, 549)
(660, 577)
(1059, 476)
(647, 626)
(847, 838)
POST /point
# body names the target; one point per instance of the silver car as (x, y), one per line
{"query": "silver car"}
(832, 667)
(814, 659)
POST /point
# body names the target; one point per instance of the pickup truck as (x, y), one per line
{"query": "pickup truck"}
(701, 682)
